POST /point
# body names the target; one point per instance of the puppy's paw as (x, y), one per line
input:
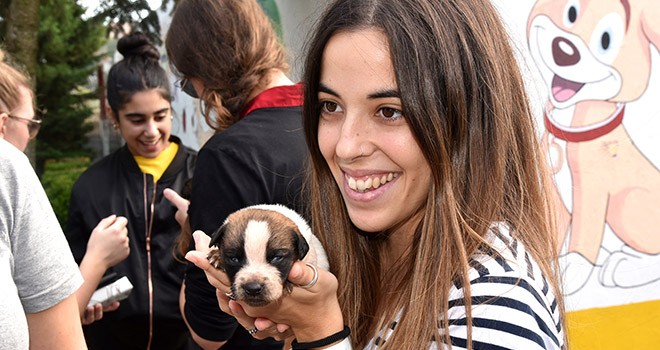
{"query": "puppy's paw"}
(214, 258)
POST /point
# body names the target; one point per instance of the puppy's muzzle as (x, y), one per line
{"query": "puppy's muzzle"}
(253, 289)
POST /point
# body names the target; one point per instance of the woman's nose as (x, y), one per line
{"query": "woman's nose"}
(151, 128)
(353, 138)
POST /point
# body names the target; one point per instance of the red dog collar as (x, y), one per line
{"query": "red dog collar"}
(585, 133)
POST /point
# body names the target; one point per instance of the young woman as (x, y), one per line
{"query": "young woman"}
(427, 188)
(38, 275)
(120, 222)
(228, 54)
(18, 123)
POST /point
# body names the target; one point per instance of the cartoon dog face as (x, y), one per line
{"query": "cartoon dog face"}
(256, 248)
(591, 50)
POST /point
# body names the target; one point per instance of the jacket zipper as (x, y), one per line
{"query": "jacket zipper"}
(149, 220)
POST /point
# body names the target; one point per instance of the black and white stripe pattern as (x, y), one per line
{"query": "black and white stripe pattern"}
(512, 304)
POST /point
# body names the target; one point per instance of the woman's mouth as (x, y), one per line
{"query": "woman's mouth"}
(368, 183)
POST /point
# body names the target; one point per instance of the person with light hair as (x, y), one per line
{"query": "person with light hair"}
(38, 274)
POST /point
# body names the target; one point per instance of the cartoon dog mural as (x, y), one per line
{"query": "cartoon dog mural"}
(594, 58)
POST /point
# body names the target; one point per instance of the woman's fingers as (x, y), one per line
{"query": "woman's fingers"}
(304, 275)
(179, 202)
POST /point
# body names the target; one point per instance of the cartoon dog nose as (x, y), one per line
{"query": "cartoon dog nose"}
(253, 288)
(564, 52)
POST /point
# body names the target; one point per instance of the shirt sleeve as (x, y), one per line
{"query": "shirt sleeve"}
(44, 269)
(508, 312)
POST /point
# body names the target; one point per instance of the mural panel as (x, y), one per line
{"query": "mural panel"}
(592, 71)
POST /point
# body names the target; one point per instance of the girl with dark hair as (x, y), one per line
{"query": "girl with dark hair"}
(120, 224)
(228, 54)
(428, 189)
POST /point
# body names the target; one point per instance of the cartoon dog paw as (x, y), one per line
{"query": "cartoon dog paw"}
(629, 268)
(575, 272)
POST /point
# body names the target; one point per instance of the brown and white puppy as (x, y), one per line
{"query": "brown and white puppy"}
(256, 247)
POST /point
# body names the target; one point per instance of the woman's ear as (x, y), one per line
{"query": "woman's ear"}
(114, 119)
(3, 124)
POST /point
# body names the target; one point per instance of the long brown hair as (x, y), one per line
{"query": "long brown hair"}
(464, 99)
(230, 46)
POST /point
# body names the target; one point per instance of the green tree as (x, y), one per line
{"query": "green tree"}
(125, 16)
(67, 57)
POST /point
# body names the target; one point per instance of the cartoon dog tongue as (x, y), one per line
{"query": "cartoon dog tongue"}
(563, 89)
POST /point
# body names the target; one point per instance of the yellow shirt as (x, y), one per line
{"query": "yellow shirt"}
(156, 166)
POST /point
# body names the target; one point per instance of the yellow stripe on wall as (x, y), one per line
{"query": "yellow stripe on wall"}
(631, 326)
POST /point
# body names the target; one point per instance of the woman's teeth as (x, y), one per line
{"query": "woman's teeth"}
(364, 185)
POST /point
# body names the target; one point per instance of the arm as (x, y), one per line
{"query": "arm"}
(44, 271)
(203, 343)
(107, 246)
(57, 327)
(181, 217)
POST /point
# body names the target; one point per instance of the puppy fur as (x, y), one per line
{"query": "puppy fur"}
(256, 247)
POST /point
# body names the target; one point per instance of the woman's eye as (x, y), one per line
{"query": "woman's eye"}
(159, 118)
(390, 113)
(330, 107)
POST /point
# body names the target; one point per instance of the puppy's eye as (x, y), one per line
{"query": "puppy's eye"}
(278, 256)
(232, 260)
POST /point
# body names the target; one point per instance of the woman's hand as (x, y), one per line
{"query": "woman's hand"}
(220, 281)
(181, 204)
(108, 243)
(95, 313)
(311, 313)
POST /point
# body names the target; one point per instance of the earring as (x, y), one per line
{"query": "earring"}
(114, 126)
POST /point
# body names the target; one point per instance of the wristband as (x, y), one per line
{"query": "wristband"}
(322, 342)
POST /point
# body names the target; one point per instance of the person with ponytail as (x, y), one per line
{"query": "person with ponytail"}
(120, 224)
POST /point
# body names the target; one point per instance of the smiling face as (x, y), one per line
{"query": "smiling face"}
(145, 123)
(364, 137)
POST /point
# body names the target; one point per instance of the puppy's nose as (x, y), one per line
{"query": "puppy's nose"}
(253, 288)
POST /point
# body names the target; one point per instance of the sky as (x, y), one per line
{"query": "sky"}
(92, 4)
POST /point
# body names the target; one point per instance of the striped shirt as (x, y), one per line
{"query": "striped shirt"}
(513, 307)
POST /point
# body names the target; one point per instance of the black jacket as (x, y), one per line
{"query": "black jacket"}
(116, 185)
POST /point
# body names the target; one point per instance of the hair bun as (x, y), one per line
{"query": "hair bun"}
(137, 44)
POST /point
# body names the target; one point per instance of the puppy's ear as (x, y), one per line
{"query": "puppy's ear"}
(300, 243)
(216, 237)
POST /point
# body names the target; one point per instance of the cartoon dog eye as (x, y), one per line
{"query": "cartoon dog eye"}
(571, 12)
(607, 38)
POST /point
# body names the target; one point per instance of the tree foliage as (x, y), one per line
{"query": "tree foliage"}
(125, 16)
(68, 56)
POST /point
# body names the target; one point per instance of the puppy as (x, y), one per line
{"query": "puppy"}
(256, 247)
